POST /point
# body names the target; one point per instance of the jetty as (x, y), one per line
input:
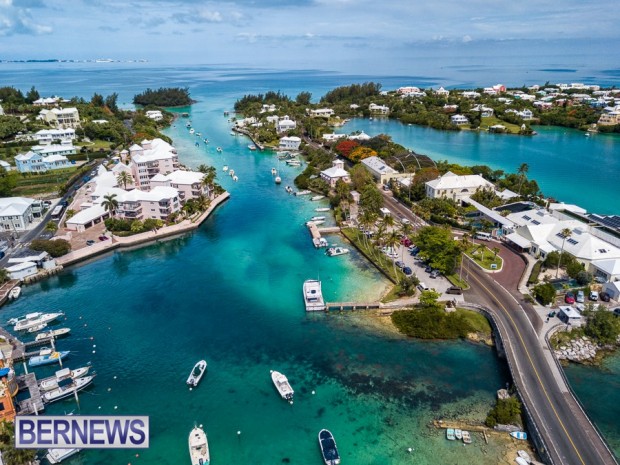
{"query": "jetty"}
(247, 133)
(316, 233)
(6, 288)
(34, 404)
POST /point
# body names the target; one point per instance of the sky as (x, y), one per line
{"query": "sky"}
(336, 34)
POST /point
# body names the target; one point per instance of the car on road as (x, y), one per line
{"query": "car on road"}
(90, 242)
(408, 271)
(593, 295)
(434, 274)
(580, 297)
(404, 220)
(569, 298)
(400, 264)
(604, 296)
(454, 290)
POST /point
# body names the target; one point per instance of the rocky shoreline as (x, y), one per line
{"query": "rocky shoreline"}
(582, 350)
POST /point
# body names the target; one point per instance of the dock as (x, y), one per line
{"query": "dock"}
(353, 305)
(18, 348)
(6, 288)
(34, 404)
(316, 234)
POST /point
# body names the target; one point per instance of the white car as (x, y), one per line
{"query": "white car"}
(593, 295)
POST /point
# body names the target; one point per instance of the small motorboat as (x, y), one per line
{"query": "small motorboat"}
(282, 385)
(316, 223)
(58, 455)
(197, 373)
(274, 171)
(519, 435)
(450, 434)
(524, 455)
(225, 168)
(289, 189)
(47, 356)
(37, 328)
(293, 162)
(328, 448)
(317, 218)
(466, 437)
(35, 319)
(252, 147)
(521, 461)
(235, 178)
(219, 149)
(60, 332)
(191, 131)
(198, 446)
(198, 134)
(322, 209)
(458, 434)
(304, 192)
(317, 197)
(231, 173)
(334, 252)
(278, 180)
(15, 293)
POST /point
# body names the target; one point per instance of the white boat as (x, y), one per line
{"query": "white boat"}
(28, 316)
(521, 461)
(27, 323)
(198, 447)
(231, 172)
(274, 171)
(53, 382)
(289, 189)
(329, 451)
(317, 218)
(197, 373)
(191, 131)
(37, 328)
(519, 435)
(198, 134)
(232, 133)
(316, 223)
(450, 434)
(58, 455)
(66, 390)
(313, 296)
(225, 168)
(524, 455)
(458, 434)
(282, 385)
(219, 149)
(317, 197)
(335, 251)
(322, 209)
(304, 192)
(278, 180)
(466, 437)
(15, 292)
(235, 178)
(252, 147)
(52, 333)
(293, 162)
(320, 242)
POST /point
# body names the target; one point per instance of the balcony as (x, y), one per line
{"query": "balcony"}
(131, 214)
(130, 207)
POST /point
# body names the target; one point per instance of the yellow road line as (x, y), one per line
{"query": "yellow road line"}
(533, 367)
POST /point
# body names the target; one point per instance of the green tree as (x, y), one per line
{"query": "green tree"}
(11, 455)
(4, 275)
(9, 126)
(437, 245)
(545, 293)
(429, 299)
(303, 98)
(32, 95)
(97, 100)
(124, 178)
(56, 248)
(552, 260)
(111, 102)
(573, 268)
(522, 172)
(371, 199)
(110, 203)
(495, 250)
(602, 325)
(8, 181)
(566, 233)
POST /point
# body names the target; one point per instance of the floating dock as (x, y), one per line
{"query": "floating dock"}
(34, 404)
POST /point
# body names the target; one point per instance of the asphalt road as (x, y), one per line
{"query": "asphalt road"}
(566, 430)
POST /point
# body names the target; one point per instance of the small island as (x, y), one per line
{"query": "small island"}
(164, 97)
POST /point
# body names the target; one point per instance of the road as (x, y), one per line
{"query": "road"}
(569, 435)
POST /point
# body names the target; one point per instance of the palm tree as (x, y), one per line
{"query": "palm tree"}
(392, 241)
(496, 250)
(124, 178)
(522, 172)
(208, 180)
(110, 204)
(566, 233)
(481, 248)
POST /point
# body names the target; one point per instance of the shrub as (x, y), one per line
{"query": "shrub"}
(55, 248)
(545, 293)
(505, 412)
(535, 272)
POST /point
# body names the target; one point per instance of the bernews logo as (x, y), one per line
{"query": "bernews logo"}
(83, 432)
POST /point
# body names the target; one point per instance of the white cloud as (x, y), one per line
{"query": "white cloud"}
(18, 20)
(467, 38)
(210, 16)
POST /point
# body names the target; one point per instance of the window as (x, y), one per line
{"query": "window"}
(572, 241)
(536, 222)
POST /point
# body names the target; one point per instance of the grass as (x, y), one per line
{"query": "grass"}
(484, 259)
(489, 121)
(457, 281)
(535, 272)
(561, 338)
(32, 184)
(477, 321)
(435, 323)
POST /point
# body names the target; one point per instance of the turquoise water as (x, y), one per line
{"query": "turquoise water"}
(231, 293)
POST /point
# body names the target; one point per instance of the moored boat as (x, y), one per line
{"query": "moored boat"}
(58, 455)
(316, 223)
(197, 373)
(225, 168)
(519, 435)
(282, 385)
(317, 197)
(42, 318)
(219, 149)
(329, 450)
(458, 434)
(335, 251)
(60, 332)
(27, 316)
(277, 180)
(231, 173)
(37, 328)
(304, 192)
(322, 209)
(317, 218)
(47, 356)
(67, 388)
(293, 162)
(191, 131)
(274, 171)
(466, 437)
(198, 446)
(53, 382)
(450, 434)
(313, 296)
(521, 461)
(15, 292)
(252, 147)
(289, 189)
(524, 455)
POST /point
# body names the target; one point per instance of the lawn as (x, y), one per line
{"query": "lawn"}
(33, 184)
(489, 121)
(477, 321)
(484, 257)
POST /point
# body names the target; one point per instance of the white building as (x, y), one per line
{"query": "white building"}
(46, 136)
(379, 170)
(61, 117)
(471, 94)
(455, 187)
(55, 149)
(359, 136)
(159, 203)
(16, 213)
(289, 143)
(153, 157)
(459, 120)
(34, 162)
(285, 124)
(321, 113)
(22, 270)
(155, 115)
(87, 217)
(379, 109)
(48, 101)
(485, 112)
(333, 137)
(187, 183)
(442, 92)
(335, 173)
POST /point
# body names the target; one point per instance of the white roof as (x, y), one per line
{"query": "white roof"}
(519, 240)
(583, 245)
(86, 216)
(567, 207)
(27, 156)
(186, 177)
(377, 164)
(570, 312)
(119, 167)
(14, 206)
(53, 158)
(159, 150)
(291, 138)
(63, 111)
(507, 194)
(495, 216)
(55, 132)
(43, 149)
(21, 266)
(335, 172)
(454, 181)
(611, 267)
(157, 194)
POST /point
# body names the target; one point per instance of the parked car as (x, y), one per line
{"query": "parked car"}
(406, 241)
(593, 295)
(423, 287)
(454, 290)
(413, 251)
(400, 264)
(103, 238)
(434, 274)
(428, 269)
(569, 298)
(90, 242)
(408, 271)
(580, 297)
(604, 296)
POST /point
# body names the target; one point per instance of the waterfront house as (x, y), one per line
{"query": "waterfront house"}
(22, 270)
(378, 109)
(523, 114)
(285, 124)
(321, 113)
(61, 117)
(155, 115)
(16, 213)
(456, 187)
(289, 143)
(609, 119)
(459, 120)
(497, 128)
(47, 136)
(335, 173)
(152, 157)
(328, 138)
(485, 112)
(159, 203)
(361, 135)
(354, 106)
(379, 170)
(187, 183)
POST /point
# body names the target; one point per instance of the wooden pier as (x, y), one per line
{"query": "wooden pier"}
(352, 305)
(316, 232)
(18, 349)
(34, 404)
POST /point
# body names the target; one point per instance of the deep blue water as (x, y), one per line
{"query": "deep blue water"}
(231, 293)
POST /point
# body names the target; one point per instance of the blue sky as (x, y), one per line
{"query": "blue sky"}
(332, 34)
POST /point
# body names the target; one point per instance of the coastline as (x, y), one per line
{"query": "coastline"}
(137, 240)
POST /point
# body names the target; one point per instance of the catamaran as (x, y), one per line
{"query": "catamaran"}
(282, 385)
(198, 446)
(313, 296)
